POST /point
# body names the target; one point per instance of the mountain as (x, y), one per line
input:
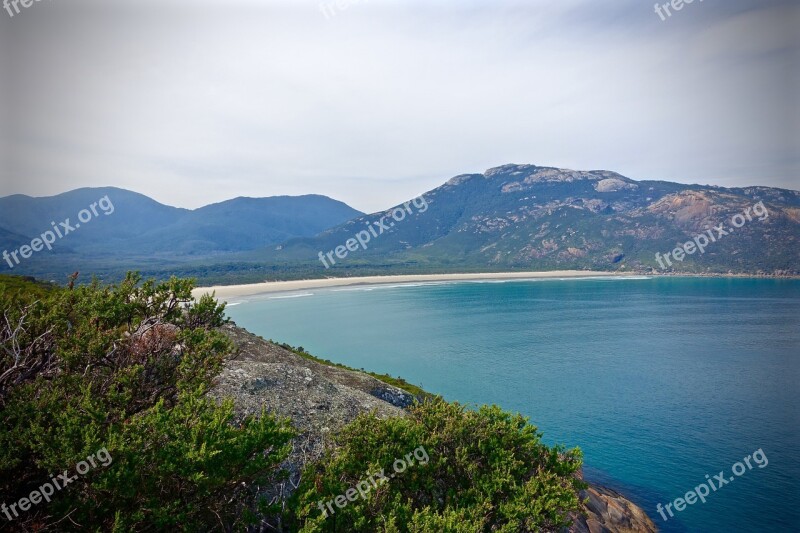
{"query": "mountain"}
(145, 226)
(9, 239)
(247, 224)
(103, 226)
(509, 218)
(527, 217)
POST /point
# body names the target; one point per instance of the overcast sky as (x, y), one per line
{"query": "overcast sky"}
(194, 102)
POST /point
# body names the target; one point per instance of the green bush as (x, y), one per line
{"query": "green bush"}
(487, 471)
(126, 368)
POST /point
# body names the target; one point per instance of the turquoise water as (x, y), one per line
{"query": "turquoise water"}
(658, 381)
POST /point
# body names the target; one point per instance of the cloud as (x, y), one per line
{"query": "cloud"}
(193, 102)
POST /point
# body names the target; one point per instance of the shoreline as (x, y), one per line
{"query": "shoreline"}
(270, 287)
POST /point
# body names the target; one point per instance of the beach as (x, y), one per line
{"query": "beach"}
(239, 291)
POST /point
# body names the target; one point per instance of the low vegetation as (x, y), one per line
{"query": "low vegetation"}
(127, 368)
(485, 470)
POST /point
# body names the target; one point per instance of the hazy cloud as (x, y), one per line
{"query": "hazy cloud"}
(194, 102)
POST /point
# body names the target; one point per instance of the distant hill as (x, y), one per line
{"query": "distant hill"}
(527, 217)
(246, 224)
(9, 239)
(133, 215)
(513, 217)
(138, 232)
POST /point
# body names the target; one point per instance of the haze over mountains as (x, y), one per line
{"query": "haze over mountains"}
(513, 217)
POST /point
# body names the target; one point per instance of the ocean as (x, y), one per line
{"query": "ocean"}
(660, 381)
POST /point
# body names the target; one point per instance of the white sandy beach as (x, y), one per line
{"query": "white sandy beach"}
(239, 291)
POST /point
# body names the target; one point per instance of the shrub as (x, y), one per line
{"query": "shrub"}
(126, 368)
(488, 471)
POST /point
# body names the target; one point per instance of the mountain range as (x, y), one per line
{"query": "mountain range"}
(131, 230)
(527, 217)
(512, 217)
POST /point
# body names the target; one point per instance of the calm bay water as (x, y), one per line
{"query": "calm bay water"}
(658, 381)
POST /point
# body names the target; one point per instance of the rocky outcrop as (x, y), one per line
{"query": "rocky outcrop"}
(321, 399)
(607, 511)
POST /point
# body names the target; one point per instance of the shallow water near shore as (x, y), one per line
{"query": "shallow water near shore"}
(659, 381)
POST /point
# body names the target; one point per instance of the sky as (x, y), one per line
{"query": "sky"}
(374, 102)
